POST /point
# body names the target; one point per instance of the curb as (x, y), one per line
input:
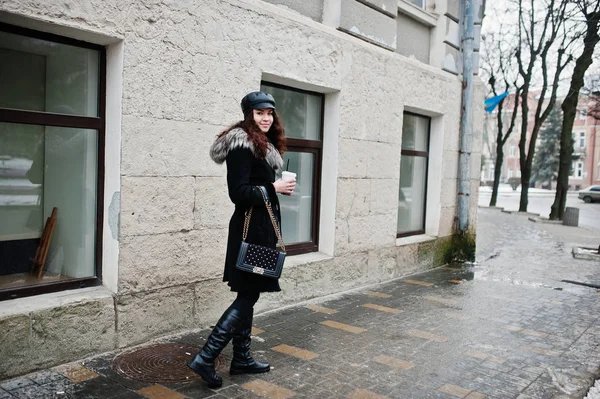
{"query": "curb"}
(522, 213)
(545, 221)
(585, 253)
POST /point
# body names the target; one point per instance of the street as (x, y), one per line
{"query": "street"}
(540, 202)
(508, 326)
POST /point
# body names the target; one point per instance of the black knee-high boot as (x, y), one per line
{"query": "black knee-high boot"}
(242, 362)
(204, 362)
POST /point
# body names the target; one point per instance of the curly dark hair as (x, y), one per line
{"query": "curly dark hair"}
(276, 134)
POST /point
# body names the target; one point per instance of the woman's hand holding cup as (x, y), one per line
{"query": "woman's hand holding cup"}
(286, 184)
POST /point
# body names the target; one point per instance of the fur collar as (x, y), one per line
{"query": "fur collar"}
(238, 138)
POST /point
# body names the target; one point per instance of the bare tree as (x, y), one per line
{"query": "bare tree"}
(594, 105)
(590, 94)
(502, 78)
(590, 10)
(538, 36)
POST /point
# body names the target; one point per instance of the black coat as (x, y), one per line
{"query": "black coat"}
(245, 171)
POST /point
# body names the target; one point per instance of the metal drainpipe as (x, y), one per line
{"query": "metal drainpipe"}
(466, 121)
(592, 148)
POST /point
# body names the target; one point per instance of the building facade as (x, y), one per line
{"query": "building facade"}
(511, 167)
(114, 218)
(585, 168)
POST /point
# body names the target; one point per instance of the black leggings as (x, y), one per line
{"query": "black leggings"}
(245, 302)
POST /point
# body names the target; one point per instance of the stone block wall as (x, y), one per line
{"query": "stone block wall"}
(413, 38)
(369, 22)
(37, 333)
(310, 8)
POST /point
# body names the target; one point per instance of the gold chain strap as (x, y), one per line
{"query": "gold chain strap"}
(273, 221)
(247, 224)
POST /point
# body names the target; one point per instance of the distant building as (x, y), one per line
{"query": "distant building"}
(586, 144)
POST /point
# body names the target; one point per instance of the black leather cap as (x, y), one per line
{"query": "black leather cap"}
(257, 100)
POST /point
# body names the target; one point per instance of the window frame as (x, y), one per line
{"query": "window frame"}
(98, 123)
(314, 147)
(422, 154)
(423, 6)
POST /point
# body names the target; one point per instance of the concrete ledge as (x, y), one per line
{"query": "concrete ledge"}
(50, 301)
(299, 260)
(586, 253)
(46, 330)
(414, 239)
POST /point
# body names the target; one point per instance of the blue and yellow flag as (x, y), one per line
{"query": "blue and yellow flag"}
(490, 104)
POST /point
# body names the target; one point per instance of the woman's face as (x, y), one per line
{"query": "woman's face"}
(263, 119)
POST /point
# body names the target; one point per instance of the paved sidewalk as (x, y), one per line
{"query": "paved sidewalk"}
(505, 328)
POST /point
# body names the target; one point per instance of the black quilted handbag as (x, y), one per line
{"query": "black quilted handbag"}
(257, 259)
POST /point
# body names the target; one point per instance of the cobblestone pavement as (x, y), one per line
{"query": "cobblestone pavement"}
(507, 327)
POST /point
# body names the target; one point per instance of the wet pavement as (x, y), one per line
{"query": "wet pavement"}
(507, 327)
(540, 202)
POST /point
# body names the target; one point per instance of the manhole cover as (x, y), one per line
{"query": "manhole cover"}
(160, 363)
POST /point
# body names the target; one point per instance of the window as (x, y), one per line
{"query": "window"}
(418, 3)
(511, 150)
(579, 171)
(412, 196)
(582, 139)
(582, 114)
(301, 113)
(510, 173)
(51, 157)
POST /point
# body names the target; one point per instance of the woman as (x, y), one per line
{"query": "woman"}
(252, 149)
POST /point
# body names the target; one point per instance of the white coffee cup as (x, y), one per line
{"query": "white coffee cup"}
(287, 176)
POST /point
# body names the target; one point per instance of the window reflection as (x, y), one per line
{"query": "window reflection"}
(296, 209)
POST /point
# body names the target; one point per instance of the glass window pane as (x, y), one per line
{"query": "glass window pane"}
(415, 133)
(300, 112)
(418, 3)
(411, 199)
(21, 178)
(296, 209)
(41, 75)
(43, 167)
